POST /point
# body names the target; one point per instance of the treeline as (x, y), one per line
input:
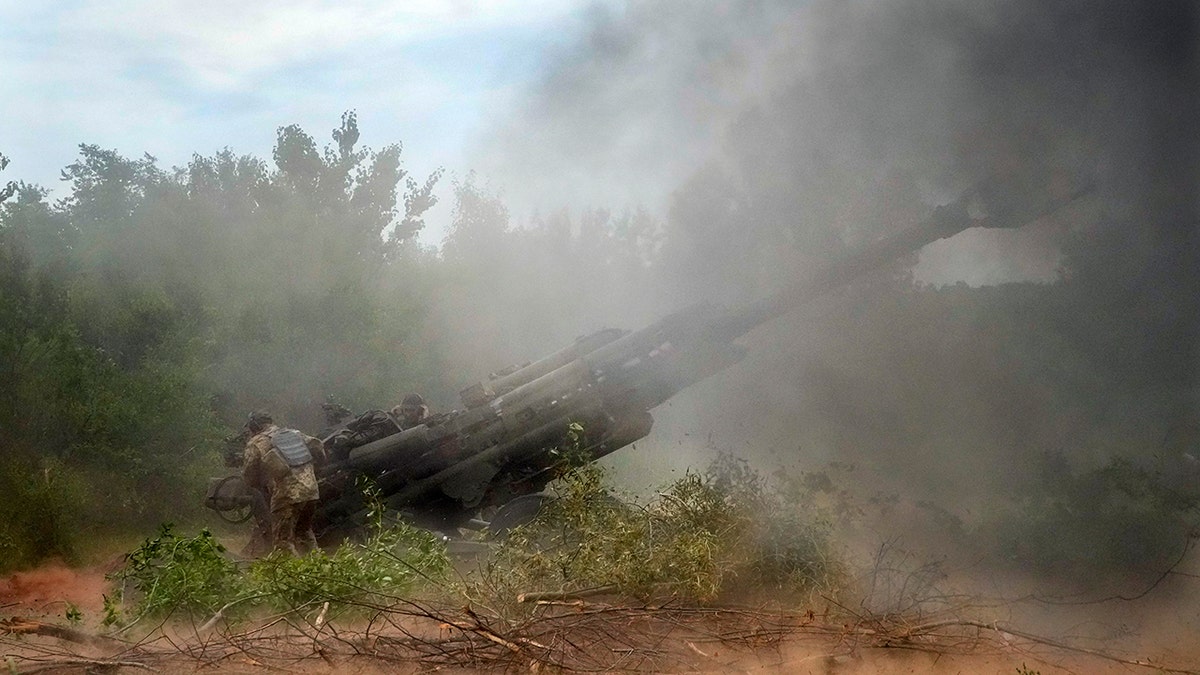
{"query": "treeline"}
(144, 313)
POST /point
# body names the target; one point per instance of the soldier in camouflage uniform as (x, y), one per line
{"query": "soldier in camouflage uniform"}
(411, 411)
(280, 462)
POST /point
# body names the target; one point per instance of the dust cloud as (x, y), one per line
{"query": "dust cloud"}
(765, 137)
(52, 589)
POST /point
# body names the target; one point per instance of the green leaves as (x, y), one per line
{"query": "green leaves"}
(388, 565)
(9, 188)
(703, 537)
(170, 573)
(194, 576)
(1117, 517)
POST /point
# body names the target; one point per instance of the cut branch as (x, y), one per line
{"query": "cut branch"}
(16, 626)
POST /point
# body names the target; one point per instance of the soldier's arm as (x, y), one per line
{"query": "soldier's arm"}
(252, 469)
(317, 448)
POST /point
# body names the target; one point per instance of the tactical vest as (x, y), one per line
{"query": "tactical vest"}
(290, 445)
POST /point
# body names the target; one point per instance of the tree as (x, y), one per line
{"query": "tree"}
(10, 188)
(132, 308)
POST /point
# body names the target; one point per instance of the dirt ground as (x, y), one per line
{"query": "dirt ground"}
(1161, 630)
(51, 590)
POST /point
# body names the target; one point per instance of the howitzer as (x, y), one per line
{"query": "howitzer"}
(592, 397)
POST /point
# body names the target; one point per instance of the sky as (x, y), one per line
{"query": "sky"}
(173, 79)
(577, 103)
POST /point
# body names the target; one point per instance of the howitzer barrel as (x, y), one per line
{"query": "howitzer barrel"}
(946, 221)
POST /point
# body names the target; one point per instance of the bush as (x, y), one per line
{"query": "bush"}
(194, 576)
(704, 537)
(170, 573)
(721, 535)
(39, 512)
(392, 560)
(782, 548)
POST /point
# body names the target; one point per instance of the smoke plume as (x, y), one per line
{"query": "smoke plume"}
(770, 135)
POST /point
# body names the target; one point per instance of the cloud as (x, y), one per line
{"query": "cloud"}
(175, 78)
(229, 43)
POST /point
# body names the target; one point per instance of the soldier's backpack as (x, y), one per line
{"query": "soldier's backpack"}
(290, 445)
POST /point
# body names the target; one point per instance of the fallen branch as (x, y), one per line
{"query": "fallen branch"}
(16, 626)
(578, 637)
(95, 663)
(540, 596)
(221, 612)
(578, 604)
(925, 628)
(479, 629)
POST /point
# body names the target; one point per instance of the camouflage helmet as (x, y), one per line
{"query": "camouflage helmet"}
(259, 419)
(414, 400)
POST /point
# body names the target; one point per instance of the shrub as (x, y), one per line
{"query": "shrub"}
(39, 512)
(170, 573)
(782, 548)
(392, 560)
(194, 576)
(703, 537)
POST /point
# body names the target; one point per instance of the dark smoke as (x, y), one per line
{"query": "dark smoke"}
(822, 119)
(773, 134)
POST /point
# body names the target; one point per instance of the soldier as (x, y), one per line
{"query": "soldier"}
(280, 462)
(411, 411)
(335, 415)
(235, 457)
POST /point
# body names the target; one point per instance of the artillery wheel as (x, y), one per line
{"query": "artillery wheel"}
(230, 493)
(517, 511)
(236, 516)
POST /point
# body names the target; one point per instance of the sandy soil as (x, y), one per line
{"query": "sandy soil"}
(50, 590)
(1162, 627)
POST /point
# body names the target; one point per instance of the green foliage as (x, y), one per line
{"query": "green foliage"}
(392, 559)
(171, 573)
(702, 538)
(99, 391)
(131, 308)
(573, 453)
(112, 609)
(72, 614)
(9, 188)
(390, 562)
(194, 576)
(150, 306)
(39, 511)
(782, 542)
